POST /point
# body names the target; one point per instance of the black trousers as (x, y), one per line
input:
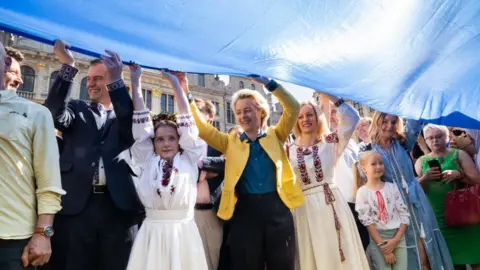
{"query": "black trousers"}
(224, 258)
(262, 234)
(11, 254)
(95, 239)
(362, 230)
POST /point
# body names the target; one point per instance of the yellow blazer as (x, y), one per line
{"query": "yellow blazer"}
(236, 153)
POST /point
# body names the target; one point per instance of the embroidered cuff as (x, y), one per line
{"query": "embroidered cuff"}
(185, 120)
(190, 97)
(339, 102)
(272, 85)
(67, 73)
(332, 138)
(141, 117)
(115, 85)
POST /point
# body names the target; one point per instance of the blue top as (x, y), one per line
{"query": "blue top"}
(259, 175)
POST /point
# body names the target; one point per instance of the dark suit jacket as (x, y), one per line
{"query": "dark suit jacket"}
(84, 144)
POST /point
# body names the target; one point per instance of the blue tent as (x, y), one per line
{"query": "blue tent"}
(417, 59)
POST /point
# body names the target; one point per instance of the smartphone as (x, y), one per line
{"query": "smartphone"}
(435, 164)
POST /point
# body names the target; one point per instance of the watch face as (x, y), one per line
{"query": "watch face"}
(48, 231)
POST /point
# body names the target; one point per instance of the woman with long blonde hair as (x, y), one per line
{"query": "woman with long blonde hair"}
(327, 236)
(426, 246)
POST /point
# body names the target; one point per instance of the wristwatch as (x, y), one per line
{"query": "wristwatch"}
(46, 231)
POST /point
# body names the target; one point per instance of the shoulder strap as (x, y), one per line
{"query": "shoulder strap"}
(288, 150)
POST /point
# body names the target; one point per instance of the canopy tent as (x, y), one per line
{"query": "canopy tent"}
(416, 59)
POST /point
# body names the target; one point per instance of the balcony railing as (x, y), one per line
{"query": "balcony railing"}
(27, 95)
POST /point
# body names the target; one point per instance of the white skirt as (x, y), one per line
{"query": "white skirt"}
(168, 240)
(317, 238)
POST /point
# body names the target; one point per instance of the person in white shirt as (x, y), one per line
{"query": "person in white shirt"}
(381, 209)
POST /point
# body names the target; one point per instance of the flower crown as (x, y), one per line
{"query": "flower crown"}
(164, 117)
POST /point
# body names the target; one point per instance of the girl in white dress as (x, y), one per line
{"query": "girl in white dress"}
(326, 232)
(166, 152)
(381, 209)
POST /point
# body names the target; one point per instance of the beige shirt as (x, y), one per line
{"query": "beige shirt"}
(30, 182)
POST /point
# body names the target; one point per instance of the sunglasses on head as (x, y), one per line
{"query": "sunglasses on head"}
(458, 132)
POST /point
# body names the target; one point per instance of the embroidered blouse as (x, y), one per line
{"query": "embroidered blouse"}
(162, 184)
(384, 208)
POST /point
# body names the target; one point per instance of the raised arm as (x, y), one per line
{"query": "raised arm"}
(290, 105)
(57, 101)
(121, 101)
(142, 150)
(187, 129)
(348, 119)
(412, 130)
(207, 132)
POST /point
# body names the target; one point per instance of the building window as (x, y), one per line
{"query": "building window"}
(171, 104)
(167, 103)
(28, 77)
(253, 86)
(84, 89)
(216, 124)
(201, 80)
(217, 108)
(241, 85)
(147, 98)
(53, 77)
(230, 115)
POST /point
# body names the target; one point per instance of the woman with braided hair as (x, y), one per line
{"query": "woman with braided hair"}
(166, 150)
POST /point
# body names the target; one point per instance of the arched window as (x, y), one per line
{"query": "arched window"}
(241, 85)
(53, 77)
(84, 90)
(253, 86)
(28, 77)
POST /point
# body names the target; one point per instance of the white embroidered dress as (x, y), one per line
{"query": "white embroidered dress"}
(168, 238)
(326, 232)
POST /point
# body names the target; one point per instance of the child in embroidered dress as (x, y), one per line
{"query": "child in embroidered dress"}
(381, 209)
(166, 150)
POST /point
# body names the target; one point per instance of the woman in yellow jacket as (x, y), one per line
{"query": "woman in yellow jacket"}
(260, 187)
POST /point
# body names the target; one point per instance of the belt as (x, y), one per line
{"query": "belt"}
(204, 206)
(99, 189)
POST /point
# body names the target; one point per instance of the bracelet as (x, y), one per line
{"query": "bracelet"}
(272, 85)
(339, 102)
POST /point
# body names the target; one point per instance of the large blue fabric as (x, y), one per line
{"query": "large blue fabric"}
(415, 58)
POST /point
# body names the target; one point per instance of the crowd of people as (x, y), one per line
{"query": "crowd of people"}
(110, 185)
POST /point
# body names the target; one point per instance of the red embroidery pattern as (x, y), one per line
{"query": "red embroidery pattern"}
(167, 173)
(302, 167)
(317, 163)
(383, 215)
(332, 138)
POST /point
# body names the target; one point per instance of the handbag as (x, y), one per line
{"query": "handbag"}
(462, 206)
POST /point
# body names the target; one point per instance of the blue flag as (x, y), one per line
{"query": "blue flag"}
(412, 58)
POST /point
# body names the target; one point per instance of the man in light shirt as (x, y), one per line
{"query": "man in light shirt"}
(30, 183)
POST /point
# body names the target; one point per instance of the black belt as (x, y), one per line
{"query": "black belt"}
(204, 206)
(99, 189)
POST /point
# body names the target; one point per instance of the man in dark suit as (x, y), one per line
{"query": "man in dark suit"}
(101, 202)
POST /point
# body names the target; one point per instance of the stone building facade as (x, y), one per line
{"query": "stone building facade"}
(40, 68)
(363, 110)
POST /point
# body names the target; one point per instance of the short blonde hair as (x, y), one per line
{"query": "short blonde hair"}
(322, 130)
(261, 102)
(443, 129)
(375, 128)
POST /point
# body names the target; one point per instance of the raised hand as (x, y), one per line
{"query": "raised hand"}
(174, 78)
(63, 53)
(260, 79)
(135, 73)
(114, 66)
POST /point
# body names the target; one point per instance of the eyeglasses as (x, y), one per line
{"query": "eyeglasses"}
(458, 132)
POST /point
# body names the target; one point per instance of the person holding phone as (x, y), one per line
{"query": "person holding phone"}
(438, 173)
